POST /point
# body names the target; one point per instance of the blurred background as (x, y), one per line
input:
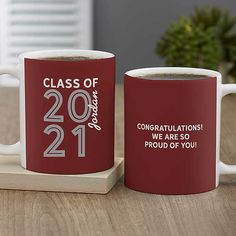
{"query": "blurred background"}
(195, 33)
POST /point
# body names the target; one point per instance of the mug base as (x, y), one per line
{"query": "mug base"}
(169, 192)
(70, 171)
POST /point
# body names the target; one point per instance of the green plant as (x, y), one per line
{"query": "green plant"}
(205, 39)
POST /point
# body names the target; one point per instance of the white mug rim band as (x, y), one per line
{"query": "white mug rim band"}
(142, 72)
(92, 54)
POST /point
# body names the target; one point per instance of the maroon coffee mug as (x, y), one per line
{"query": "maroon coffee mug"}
(66, 111)
(172, 130)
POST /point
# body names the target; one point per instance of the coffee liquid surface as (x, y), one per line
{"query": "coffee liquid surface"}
(173, 76)
(65, 58)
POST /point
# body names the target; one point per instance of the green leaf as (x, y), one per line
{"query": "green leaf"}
(205, 39)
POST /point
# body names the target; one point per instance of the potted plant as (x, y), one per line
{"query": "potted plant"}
(206, 39)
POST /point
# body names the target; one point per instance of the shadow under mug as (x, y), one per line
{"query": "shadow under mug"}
(172, 130)
(66, 111)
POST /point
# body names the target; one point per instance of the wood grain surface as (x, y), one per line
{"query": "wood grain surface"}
(122, 211)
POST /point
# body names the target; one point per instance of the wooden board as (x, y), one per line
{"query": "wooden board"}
(13, 176)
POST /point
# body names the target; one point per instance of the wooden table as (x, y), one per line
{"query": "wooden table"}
(122, 211)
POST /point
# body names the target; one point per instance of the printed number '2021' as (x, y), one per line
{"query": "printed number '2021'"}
(51, 116)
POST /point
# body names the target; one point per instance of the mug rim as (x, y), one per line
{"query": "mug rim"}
(138, 73)
(92, 54)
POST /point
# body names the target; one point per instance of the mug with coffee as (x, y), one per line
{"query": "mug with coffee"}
(66, 111)
(172, 130)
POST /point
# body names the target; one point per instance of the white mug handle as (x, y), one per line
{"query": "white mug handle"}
(225, 168)
(13, 148)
